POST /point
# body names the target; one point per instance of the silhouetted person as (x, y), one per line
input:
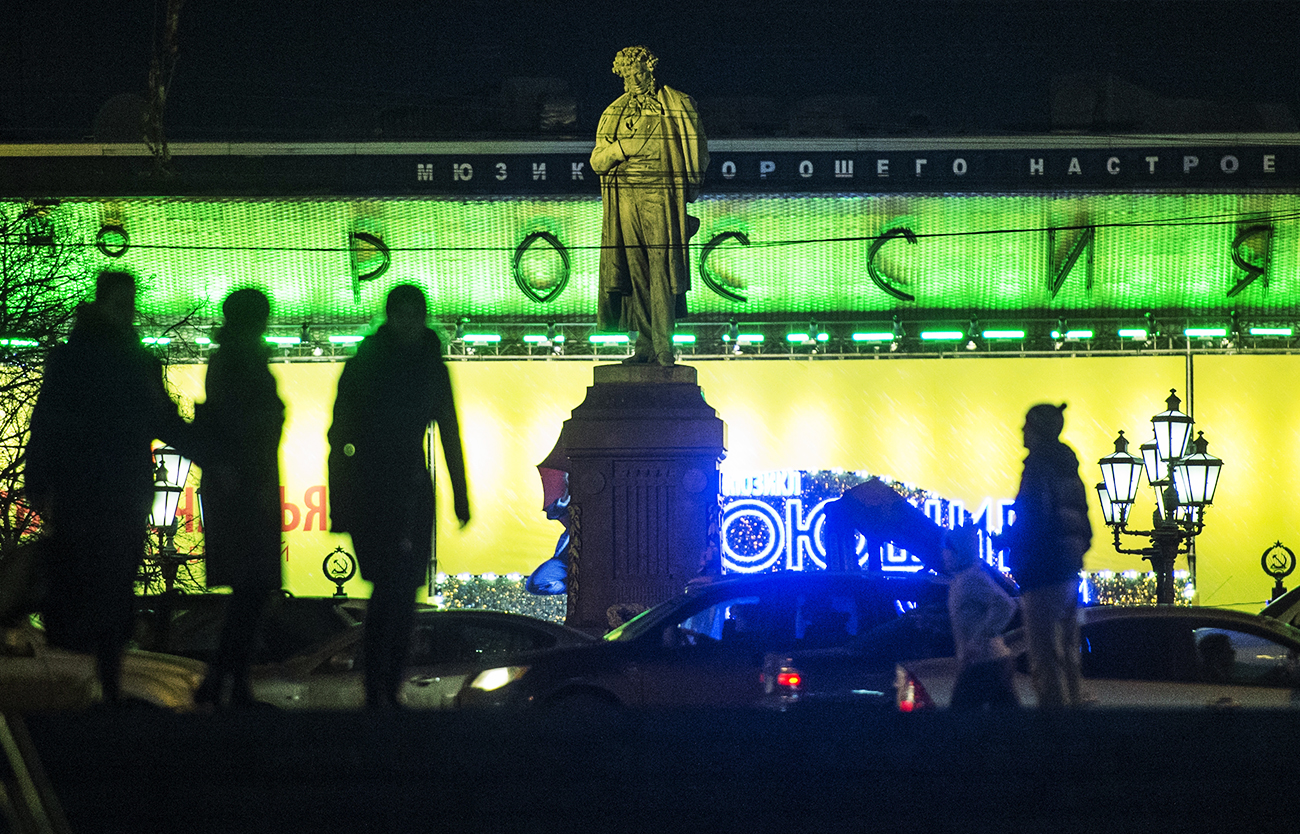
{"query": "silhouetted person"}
(89, 472)
(381, 489)
(1047, 542)
(880, 514)
(1217, 657)
(240, 424)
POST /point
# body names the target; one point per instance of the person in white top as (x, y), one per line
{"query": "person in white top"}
(979, 610)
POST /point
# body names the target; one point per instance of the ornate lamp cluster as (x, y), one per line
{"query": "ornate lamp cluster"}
(1184, 477)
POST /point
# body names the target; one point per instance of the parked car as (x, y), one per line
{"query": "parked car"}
(189, 625)
(446, 646)
(37, 677)
(1156, 657)
(310, 652)
(708, 646)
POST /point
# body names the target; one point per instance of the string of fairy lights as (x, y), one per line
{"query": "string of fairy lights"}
(491, 592)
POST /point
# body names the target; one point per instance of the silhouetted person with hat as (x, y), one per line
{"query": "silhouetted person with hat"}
(1047, 542)
(89, 473)
(240, 424)
(381, 489)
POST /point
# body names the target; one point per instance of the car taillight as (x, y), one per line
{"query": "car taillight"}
(780, 677)
(912, 696)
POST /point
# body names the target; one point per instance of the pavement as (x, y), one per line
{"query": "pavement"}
(825, 770)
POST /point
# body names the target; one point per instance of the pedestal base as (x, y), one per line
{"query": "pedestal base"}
(643, 451)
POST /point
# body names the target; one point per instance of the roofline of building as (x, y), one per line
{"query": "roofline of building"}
(570, 146)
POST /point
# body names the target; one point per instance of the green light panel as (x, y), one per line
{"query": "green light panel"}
(806, 258)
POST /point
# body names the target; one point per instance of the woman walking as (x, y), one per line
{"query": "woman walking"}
(240, 426)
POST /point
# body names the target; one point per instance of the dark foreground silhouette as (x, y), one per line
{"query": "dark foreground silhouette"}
(827, 771)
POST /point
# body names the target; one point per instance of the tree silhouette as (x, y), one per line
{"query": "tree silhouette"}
(44, 271)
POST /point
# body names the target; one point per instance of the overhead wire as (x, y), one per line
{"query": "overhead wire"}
(1191, 221)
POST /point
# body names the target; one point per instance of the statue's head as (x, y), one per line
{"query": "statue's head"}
(636, 65)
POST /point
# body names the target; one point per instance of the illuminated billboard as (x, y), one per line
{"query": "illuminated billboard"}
(947, 427)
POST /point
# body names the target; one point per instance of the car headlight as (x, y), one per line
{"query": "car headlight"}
(490, 680)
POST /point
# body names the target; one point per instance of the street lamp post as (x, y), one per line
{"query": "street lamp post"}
(171, 472)
(1184, 477)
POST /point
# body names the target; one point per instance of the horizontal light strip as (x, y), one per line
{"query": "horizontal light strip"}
(941, 335)
(1003, 334)
(1132, 333)
(1205, 332)
(481, 338)
(683, 339)
(540, 340)
(602, 339)
(345, 340)
(1272, 331)
(873, 337)
(752, 338)
(284, 340)
(157, 340)
(19, 342)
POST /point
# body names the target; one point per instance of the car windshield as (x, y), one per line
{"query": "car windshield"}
(631, 628)
(797, 613)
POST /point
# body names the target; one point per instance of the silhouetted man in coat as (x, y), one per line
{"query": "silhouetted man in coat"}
(89, 472)
(381, 489)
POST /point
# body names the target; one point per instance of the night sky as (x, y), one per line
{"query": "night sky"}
(290, 70)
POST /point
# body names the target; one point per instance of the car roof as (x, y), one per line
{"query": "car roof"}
(1211, 617)
(816, 577)
(471, 614)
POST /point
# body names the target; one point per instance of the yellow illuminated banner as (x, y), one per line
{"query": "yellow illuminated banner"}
(948, 425)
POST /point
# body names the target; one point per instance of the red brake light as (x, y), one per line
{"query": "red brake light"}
(780, 678)
(912, 696)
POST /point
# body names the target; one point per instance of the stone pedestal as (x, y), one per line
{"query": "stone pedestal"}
(643, 451)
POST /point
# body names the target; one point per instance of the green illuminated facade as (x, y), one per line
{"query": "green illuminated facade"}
(1009, 252)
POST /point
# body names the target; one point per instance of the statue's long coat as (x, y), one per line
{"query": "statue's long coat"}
(685, 150)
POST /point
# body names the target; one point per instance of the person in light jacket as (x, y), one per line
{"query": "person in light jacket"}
(979, 610)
